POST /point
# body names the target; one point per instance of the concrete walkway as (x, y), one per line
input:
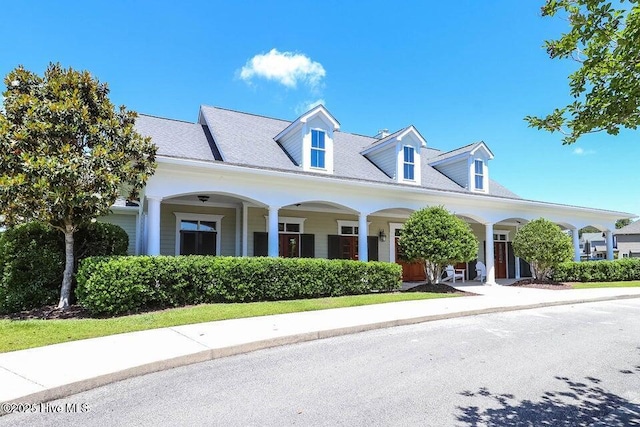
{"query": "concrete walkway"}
(55, 371)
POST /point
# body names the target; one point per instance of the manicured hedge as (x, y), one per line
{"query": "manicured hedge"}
(598, 271)
(32, 260)
(116, 285)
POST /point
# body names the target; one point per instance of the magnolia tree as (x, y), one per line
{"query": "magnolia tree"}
(543, 245)
(437, 238)
(66, 153)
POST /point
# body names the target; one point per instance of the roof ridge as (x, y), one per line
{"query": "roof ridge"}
(245, 113)
(459, 148)
(167, 118)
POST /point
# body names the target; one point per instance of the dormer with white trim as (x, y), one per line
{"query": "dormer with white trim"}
(467, 166)
(308, 140)
(398, 155)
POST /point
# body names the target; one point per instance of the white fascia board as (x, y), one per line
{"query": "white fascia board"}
(411, 130)
(461, 156)
(405, 188)
(484, 147)
(126, 210)
(382, 145)
(297, 123)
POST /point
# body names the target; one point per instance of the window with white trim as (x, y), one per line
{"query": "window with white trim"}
(318, 150)
(409, 163)
(197, 234)
(479, 174)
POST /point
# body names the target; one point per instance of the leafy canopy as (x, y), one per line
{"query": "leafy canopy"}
(543, 245)
(605, 42)
(437, 238)
(65, 151)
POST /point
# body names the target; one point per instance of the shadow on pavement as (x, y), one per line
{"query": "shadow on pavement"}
(580, 404)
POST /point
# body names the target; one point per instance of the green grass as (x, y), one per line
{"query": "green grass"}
(589, 285)
(22, 334)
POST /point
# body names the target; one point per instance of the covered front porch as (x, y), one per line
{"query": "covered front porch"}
(232, 224)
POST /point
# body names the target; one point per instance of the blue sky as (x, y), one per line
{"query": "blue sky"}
(459, 73)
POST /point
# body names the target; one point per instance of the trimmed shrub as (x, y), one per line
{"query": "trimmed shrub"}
(32, 263)
(32, 260)
(598, 271)
(543, 245)
(116, 285)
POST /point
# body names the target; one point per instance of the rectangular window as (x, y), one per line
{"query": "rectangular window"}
(317, 149)
(409, 164)
(479, 174)
(197, 237)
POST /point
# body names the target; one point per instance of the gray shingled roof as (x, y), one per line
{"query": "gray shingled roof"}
(453, 153)
(247, 139)
(633, 228)
(176, 138)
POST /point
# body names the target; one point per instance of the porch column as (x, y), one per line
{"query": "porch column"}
(488, 254)
(576, 244)
(517, 267)
(153, 225)
(273, 231)
(609, 237)
(245, 228)
(363, 251)
(238, 230)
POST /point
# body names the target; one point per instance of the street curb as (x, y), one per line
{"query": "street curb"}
(217, 353)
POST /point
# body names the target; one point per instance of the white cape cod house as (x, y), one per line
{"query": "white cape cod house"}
(240, 184)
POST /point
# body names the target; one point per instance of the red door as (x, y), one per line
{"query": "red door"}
(500, 259)
(349, 247)
(411, 271)
(289, 245)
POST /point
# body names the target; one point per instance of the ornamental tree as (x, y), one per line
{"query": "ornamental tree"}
(605, 42)
(437, 238)
(66, 153)
(543, 245)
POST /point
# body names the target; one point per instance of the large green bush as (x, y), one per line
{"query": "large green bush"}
(437, 238)
(32, 260)
(115, 285)
(598, 271)
(543, 245)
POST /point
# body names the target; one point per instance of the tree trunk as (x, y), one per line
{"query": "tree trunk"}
(65, 291)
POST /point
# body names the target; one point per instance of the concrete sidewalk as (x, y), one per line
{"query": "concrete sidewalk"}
(51, 372)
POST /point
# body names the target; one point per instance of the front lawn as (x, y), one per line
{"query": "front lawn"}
(588, 285)
(22, 334)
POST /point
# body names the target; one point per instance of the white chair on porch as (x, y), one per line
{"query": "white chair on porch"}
(453, 274)
(481, 271)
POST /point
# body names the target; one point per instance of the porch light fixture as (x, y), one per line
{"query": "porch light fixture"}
(382, 236)
(203, 197)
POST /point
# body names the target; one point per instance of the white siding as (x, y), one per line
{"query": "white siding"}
(458, 171)
(386, 160)
(168, 227)
(293, 146)
(128, 223)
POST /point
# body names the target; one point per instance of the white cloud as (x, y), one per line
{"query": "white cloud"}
(582, 152)
(305, 106)
(286, 68)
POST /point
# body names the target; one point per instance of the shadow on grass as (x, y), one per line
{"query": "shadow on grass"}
(578, 404)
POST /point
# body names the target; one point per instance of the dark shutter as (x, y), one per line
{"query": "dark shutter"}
(308, 245)
(207, 243)
(260, 243)
(511, 261)
(471, 271)
(333, 247)
(372, 248)
(188, 242)
(525, 268)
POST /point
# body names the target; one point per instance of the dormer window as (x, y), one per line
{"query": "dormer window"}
(317, 149)
(479, 174)
(409, 164)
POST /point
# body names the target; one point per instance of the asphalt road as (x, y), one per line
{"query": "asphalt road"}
(562, 366)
